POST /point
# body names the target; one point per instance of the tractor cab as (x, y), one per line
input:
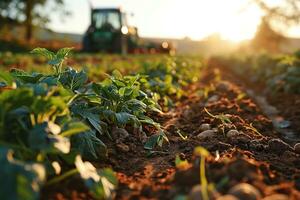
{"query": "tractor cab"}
(110, 32)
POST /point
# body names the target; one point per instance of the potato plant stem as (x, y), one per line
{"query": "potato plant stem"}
(203, 179)
(62, 177)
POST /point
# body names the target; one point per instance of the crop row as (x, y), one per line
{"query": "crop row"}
(51, 124)
(280, 73)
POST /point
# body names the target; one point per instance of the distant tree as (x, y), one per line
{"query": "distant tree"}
(31, 12)
(286, 12)
(266, 38)
(277, 16)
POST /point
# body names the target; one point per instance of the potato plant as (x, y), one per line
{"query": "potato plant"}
(49, 122)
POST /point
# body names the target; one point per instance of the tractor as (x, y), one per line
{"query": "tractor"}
(109, 32)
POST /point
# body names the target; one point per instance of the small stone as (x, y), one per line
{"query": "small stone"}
(216, 130)
(223, 86)
(297, 148)
(243, 138)
(297, 182)
(187, 113)
(256, 145)
(276, 197)
(289, 157)
(245, 191)
(232, 133)
(205, 127)
(213, 98)
(223, 146)
(278, 146)
(227, 197)
(206, 134)
(196, 193)
(119, 133)
(270, 110)
(123, 147)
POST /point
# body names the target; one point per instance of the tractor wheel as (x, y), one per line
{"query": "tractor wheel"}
(120, 45)
(86, 44)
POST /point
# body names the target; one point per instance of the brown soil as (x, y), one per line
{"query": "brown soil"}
(289, 105)
(257, 157)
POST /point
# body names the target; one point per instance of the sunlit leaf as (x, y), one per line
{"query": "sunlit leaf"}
(19, 180)
(181, 164)
(156, 139)
(44, 52)
(102, 183)
(72, 79)
(88, 145)
(26, 77)
(40, 139)
(74, 128)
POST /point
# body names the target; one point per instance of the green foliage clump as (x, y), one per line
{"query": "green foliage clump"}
(51, 121)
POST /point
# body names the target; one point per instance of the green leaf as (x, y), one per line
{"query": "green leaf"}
(55, 61)
(106, 188)
(137, 106)
(118, 83)
(152, 141)
(6, 79)
(40, 139)
(49, 80)
(88, 145)
(49, 106)
(156, 139)
(64, 52)
(74, 128)
(72, 79)
(106, 91)
(102, 183)
(19, 180)
(44, 52)
(2, 84)
(148, 120)
(125, 91)
(39, 89)
(26, 77)
(123, 118)
(116, 74)
(181, 164)
(91, 117)
(12, 99)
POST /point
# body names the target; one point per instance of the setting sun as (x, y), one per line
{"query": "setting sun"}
(231, 19)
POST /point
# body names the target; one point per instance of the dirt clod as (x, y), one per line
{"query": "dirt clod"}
(297, 148)
(278, 146)
(227, 197)
(206, 134)
(205, 127)
(276, 197)
(119, 133)
(122, 147)
(245, 191)
(232, 133)
(196, 193)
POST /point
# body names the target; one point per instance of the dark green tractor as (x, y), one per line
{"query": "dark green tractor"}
(109, 32)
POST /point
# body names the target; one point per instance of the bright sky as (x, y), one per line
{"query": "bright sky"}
(197, 19)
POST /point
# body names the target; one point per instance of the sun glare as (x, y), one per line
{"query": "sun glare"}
(228, 18)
